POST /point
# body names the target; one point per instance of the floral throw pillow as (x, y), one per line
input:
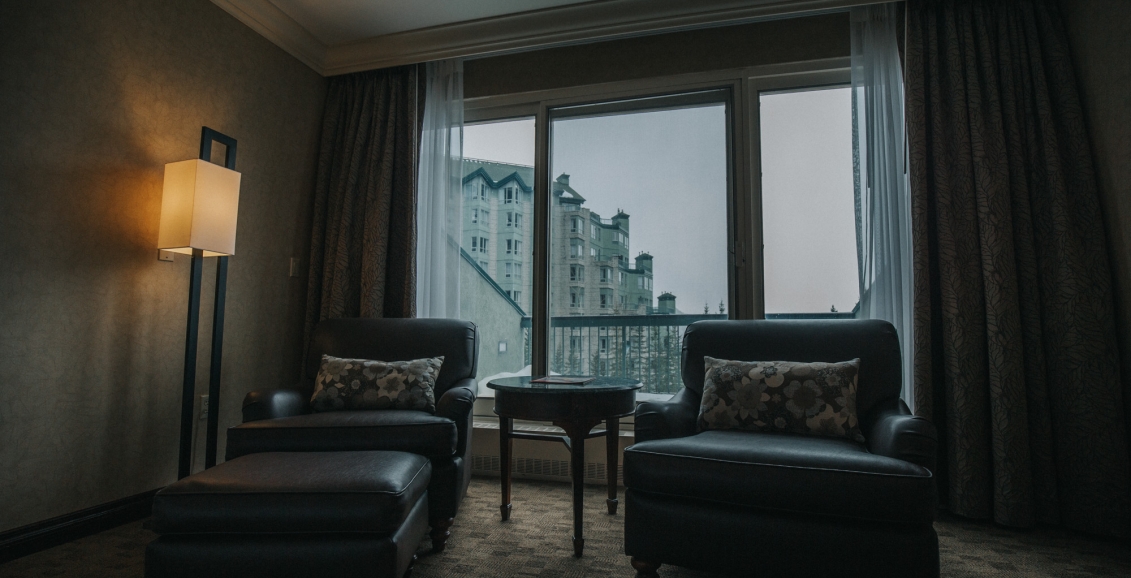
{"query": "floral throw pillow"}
(781, 396)
(369, 384)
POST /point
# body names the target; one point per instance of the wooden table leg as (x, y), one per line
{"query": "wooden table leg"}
(577, 471)
(505, 446)
(612, 442)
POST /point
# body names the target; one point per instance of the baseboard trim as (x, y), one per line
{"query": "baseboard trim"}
(20, 542)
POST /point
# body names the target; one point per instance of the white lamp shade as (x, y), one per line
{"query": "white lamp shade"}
(198, 208)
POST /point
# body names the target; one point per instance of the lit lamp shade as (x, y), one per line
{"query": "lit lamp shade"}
(198, 208)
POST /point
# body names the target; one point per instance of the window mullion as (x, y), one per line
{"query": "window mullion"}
(540, 302)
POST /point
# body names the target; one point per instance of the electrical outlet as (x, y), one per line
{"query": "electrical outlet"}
(294, 267)
(164, 255)
(203, 407)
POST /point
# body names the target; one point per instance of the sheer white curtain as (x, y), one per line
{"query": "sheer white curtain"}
(439, 202)
(883, 202)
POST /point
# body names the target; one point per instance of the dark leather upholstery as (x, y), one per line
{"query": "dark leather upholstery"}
(675, 418)
(272, 403)
(399, 340)
(741, 541)
(280, 420)
(874, 342)
(294, 515)
(401, 430)
(896, 433)
(746, 502)
(786, 473)
(296, 492)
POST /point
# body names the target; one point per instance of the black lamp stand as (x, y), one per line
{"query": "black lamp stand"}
(184, 468)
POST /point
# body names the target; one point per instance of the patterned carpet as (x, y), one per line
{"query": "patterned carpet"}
(536, 543)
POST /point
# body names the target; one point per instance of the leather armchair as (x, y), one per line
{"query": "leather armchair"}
(770, 504)
(280, 420)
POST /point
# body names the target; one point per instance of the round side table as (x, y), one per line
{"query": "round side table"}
(574, 408)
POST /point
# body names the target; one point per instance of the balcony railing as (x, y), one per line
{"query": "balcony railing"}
(644, 347)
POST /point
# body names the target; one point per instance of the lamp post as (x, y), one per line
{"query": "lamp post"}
(199, 205)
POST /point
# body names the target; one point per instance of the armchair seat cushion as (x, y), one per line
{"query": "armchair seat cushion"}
(410, 431)
(783, 472)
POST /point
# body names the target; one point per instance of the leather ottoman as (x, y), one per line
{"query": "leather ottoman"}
(283, 514)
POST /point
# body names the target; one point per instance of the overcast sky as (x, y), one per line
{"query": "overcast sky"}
(667, 170)
(808, 214)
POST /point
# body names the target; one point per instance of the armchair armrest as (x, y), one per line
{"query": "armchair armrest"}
(898, 434)
(456, 404)
(674, 418)
(272, 403)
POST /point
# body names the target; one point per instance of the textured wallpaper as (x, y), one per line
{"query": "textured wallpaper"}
(95, 98)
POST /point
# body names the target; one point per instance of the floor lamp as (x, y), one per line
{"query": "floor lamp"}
(199, 204)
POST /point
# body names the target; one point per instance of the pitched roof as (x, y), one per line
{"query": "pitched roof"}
(499, 174)
(561, 186)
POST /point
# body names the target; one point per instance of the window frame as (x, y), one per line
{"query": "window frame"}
(744, 226)
(796, 81)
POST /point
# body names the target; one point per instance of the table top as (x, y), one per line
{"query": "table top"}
(599, 384)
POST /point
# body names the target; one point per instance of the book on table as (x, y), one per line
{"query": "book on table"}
(562, 380)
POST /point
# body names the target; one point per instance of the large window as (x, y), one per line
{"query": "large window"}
(808, 211)
(725, 197)
(652, 170)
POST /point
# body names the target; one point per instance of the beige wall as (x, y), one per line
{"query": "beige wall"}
(775, 41)
(1099, 32)
(95, 97)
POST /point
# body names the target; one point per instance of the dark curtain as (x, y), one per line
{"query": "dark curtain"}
(1015, 356)
(363, 244)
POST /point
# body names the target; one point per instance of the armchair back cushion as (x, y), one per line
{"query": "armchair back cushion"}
(874, 342)
(396, 340)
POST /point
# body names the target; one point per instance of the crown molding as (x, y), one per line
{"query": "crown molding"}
(273, 24)
(561, 25)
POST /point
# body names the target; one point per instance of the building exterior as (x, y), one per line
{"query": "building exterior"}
(504, 338)
(498, 218)
(591, 270)
(600, 294)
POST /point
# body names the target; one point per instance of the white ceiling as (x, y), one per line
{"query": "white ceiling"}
(342, 36)
(340, 21)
